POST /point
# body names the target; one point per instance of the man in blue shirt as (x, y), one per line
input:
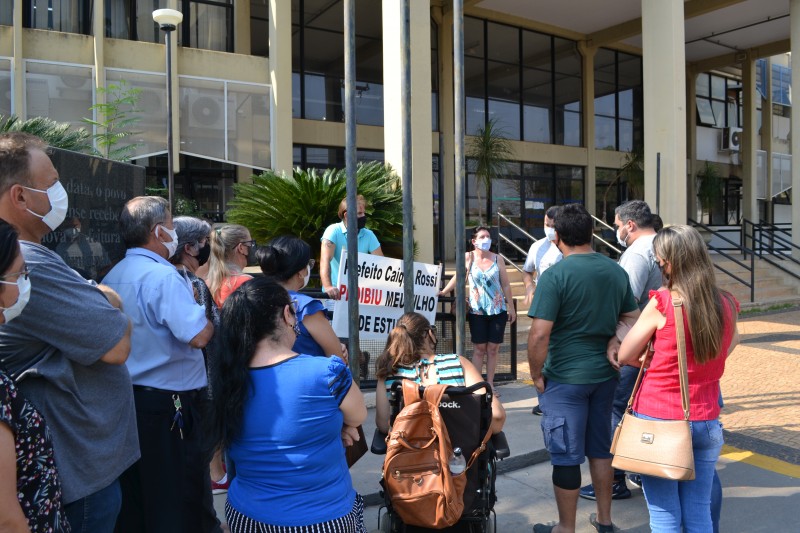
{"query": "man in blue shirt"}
(334, 240)
(168, 489)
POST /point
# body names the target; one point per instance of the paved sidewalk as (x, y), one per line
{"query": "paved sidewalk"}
(761, 417)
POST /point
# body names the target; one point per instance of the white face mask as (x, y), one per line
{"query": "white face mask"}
(620, 240)
(59, 203)
(483, 244)
(550, 233)
(171, 247)
(307, 277)
(24, 285)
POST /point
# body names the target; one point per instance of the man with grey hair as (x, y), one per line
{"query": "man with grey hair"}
(635, 232)
(68, 347)
(168, 489)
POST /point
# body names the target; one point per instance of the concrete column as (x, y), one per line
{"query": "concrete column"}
(665, 105)
(18, 68)
(241, 28)
(422, 179)
(99, 32)
(767, 135)
(691, 145)
(748, 147)
(280, 74)
(446, 127)
(794, 17)
(590, 180)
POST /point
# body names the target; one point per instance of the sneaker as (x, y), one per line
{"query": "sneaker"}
(537, 411)
(221, 486)
(635, 480)
(619, 491)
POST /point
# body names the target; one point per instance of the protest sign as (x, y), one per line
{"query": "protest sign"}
(381, 294)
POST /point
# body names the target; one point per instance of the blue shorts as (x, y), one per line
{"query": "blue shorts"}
(487, 328)
(575, 421)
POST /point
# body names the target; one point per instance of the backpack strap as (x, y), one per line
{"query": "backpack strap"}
(479, 449)
(410, 392)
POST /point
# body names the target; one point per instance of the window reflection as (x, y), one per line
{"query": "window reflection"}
(618, 101)
(71, 16)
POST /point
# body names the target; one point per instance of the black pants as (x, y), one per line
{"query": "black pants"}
(169, 489)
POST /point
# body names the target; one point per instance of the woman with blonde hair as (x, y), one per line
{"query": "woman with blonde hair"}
(232, 249)
(710, 317)
(410, 353)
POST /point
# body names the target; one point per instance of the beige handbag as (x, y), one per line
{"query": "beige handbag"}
(661, 448)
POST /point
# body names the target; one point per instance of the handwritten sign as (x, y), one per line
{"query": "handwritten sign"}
(381, 294)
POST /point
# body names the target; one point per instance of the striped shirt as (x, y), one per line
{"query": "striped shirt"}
(447, 366)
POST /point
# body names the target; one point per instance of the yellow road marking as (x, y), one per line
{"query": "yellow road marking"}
(761, 461)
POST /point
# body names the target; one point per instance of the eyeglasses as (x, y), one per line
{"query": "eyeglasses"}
(311, 264)
(251, 242)
(21, 274)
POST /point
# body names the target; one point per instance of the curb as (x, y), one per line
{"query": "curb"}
(505, 466)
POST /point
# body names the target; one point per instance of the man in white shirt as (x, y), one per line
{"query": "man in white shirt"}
(542, 255)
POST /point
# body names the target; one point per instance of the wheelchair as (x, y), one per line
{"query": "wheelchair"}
(468, 417)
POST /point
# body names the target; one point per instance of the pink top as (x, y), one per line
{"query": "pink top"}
(660, 393)
(228, 286)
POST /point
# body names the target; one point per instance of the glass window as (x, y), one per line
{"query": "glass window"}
(702, 86)
(151, 110)
(318, 61)
(475, 91)
(537, 87)
(203, 121)
(210, 26)
(259, 28)
(248, 125)
(6, 107)
(7, 14)
(503, 89)
(63, 93)
(618, 104)
(70, 16)
(705, 115)
(717, 87)
(473, 37)
(605, 133)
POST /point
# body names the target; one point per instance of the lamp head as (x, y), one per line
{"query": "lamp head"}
(167, 19)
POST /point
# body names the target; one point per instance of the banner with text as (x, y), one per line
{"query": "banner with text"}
(380, 294)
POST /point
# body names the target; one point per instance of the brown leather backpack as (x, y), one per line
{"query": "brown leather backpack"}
(416, 471)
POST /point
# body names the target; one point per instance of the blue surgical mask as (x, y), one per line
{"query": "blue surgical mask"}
(483, 244)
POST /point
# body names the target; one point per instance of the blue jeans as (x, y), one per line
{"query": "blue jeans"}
(95, 513)
(673, 504)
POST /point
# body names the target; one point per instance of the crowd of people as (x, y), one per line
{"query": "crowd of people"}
(126, 405)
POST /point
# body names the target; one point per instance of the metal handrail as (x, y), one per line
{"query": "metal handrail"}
(769, 249)
(744, 250)
(602, 223)
(510, 262)
(512, 243)
(602, 240)
(528, 235)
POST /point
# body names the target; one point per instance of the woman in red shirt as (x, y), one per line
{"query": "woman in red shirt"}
(232, 249)
(709, 316)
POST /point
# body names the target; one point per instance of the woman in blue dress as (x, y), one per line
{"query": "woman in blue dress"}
(281, 415)
(287, 260)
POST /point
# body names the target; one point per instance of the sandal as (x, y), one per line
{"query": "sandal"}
(601, 528)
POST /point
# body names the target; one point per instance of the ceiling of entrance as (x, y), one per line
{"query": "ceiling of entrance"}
(713, 27)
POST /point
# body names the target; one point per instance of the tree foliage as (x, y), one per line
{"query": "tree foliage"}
(304, 203)
(491, 150)
(116, 119)
(55, 134)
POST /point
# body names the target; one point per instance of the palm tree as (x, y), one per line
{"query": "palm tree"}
(304, 203)
(55, 134)
(491, 150)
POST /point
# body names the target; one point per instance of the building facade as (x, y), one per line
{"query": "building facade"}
(259, 84)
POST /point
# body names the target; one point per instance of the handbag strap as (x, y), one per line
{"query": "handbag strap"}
(683, 372)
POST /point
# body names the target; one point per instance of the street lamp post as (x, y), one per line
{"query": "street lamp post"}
(168, 20)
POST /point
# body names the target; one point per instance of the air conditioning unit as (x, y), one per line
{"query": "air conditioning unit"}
(731, 140)
(207, 112)
(152, 107)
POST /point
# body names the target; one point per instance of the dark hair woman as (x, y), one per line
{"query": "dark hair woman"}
(710, 316)
(490, 303)
(410, 353)
(30, 491)
(287, 260)
(281, 414)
